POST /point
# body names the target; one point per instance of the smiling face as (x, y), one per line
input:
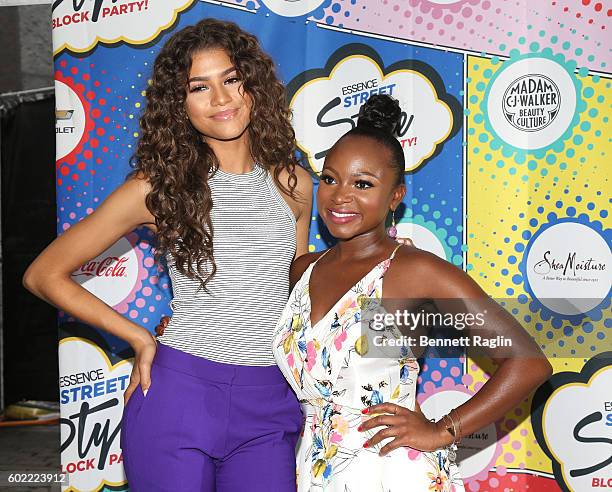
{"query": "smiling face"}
(358, 187)
(216, 103)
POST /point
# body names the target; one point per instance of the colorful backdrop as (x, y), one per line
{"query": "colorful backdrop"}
(507, 141)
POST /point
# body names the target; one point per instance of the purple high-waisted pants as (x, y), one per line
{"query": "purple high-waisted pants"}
(205, 426)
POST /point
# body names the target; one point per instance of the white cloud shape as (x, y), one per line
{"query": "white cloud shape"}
(292, 8)
(134, 22)
(326, 108)
(77, 356)
(565, 408)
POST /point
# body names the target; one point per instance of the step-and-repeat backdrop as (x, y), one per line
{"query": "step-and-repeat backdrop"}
(507, 141)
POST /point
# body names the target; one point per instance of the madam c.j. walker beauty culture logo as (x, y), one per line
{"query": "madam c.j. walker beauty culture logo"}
(531, 102)
(326, 102)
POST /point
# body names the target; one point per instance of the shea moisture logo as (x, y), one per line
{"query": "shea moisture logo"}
(569, 277)
(326, 102)
(570, 267)
(78, 25)
(532, 102)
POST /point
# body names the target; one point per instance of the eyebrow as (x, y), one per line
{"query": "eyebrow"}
(365, 173)
(354, 175)
(203, 79)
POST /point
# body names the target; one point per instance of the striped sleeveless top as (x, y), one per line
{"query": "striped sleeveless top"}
(254, 242)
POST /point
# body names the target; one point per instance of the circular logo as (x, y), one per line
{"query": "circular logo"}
(531, 102)
(477, 451)
(113, 275)
(422, 238)
(568, 268)
(69, 120)
(292, 8)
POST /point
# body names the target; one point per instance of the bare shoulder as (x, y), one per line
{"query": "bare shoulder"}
(303, 186)
(300, 264)
(139, 183)
(418, 260)
(130, 198)
(416, 271)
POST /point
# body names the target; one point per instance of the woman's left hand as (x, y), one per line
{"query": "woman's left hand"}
(407, 427)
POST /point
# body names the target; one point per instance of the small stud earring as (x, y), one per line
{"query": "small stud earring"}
(392, 231)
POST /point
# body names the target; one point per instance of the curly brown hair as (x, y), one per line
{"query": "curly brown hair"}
(174, 157)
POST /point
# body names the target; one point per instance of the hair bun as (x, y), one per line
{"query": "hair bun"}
(382, 112)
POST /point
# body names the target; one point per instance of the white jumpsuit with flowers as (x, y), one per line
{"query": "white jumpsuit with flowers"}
(336, 373)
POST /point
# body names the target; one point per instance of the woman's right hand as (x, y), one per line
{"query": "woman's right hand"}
(144, 353)
(161, 327)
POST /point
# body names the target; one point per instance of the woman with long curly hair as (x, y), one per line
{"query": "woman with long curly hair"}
(215, 177)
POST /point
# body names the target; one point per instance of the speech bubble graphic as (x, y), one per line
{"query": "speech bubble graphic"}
(325, 103)
(292, 8)
(91, 396)
(574, 425)
(80, 26)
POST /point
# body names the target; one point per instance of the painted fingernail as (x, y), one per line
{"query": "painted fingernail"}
(366, 445)
(365, 410)
(144, 392)
(360, 428)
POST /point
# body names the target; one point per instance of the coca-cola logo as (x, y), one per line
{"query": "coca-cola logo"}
(115, 275)
(111, 266)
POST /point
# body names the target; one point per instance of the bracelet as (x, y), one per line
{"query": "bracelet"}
(460, 434)
(451, 429)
